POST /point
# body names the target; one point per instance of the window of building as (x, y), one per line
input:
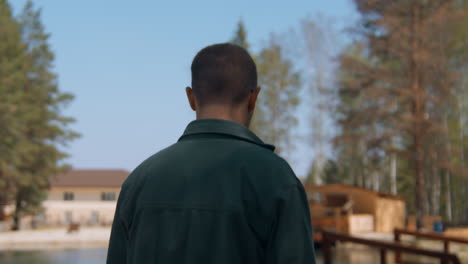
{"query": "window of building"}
(68, 196)
(108, 196)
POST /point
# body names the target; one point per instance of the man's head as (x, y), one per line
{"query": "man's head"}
(224, 83)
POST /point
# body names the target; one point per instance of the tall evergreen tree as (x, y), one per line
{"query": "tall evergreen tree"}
(44, 128)
(406, 87)
(274, 116)
(240, 36)
(351, 143)
(12, 63)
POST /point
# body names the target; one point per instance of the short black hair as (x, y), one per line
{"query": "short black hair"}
(223, 73)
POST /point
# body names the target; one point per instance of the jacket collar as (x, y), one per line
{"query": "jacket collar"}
(224, 127)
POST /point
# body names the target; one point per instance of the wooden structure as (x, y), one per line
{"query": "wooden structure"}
(433, 236)
(461, 232)
(349, 209)
(330, 238)
(427, 222)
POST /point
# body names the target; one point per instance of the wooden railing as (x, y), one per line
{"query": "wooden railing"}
(433, 236)
(383, 246)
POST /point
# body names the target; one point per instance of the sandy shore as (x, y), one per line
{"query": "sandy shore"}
(55, 238)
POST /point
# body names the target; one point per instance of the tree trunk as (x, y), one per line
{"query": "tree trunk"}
(376, 180)
(420, 204)
(366, 176)
(464, 216)
(448, 196)
(318, 172)
(3, 197)
(461, 120)
(17, 213)
(393, 176)
(2, 207)
(418, 114)
(448, 183)
(435, 197)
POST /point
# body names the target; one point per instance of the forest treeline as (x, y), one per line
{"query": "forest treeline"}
(33, 129)
(402, 112)
(387, 98)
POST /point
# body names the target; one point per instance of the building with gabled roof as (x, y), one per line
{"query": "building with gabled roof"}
(86, 197)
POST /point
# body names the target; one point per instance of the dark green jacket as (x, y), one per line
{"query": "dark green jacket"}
(219, 195)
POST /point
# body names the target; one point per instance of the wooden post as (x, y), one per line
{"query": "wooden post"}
(396, 235)
(326, 249)
(446, 250)
(446, 246)
(383, 256)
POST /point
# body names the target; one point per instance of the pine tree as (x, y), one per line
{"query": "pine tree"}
(12, 64)
(404, 87)
(44, 126)
(240, 36)
(274, 116)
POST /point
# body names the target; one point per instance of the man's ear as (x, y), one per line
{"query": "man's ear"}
(253, 100)
(191, 98)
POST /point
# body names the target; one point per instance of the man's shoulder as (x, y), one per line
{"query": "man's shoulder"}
(266, 168)
(261, 156)
(138, 174)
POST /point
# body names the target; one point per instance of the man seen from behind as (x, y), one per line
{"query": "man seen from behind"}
(220, 195)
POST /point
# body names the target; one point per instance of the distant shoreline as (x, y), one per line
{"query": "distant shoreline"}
(52, 239)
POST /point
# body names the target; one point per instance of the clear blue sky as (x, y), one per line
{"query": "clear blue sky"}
(128, 62)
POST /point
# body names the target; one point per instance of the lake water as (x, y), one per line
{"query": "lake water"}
(70, 256)
(98, 256)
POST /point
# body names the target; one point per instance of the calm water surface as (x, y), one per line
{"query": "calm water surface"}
(64, 256)
(98, 256)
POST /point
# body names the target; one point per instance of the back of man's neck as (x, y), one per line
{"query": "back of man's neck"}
(222, 113)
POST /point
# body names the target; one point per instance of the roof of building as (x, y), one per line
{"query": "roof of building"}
(345, 188)
(89, 178)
